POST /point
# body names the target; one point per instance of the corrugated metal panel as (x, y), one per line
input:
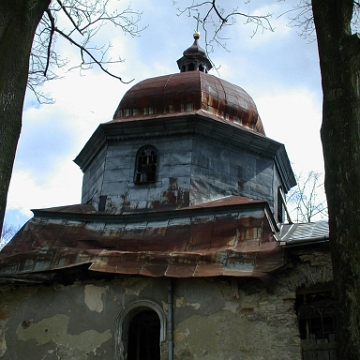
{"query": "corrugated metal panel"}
(295, 234)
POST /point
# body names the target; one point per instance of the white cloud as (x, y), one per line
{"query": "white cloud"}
(63, 187)
(293, 117)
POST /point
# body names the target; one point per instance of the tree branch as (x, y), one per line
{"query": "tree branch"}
(86, 19)
(69, 16)
(52, 30)
(87, 52)
(212, 35)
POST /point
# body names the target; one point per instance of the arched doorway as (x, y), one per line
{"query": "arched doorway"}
(144, 336)
(141, 328)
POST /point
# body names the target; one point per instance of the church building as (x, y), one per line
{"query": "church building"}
(182, 246)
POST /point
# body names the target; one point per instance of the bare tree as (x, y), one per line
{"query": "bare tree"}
(78, 22)
(307, 199)
(215, 18)
(8, 231)
(28, 33)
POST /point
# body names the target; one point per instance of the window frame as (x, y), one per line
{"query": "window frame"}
(124, 320)
(146, 163)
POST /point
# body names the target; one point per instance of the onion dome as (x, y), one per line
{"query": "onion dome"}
(192, 91)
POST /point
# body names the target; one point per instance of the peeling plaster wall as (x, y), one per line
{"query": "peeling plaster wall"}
(243, 319)
(214, 318)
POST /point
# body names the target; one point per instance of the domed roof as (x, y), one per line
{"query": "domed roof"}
(188, 93)
(192, 91)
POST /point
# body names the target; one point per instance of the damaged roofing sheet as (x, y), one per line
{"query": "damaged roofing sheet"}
(230, 237)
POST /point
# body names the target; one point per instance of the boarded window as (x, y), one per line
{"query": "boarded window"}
(146, 165)
(316, 317)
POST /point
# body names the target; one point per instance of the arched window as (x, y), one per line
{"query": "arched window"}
(141, 328)
(146, 165)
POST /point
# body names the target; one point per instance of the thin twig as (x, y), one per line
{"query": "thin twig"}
(52, 30)
(87, 52)
(69, 16)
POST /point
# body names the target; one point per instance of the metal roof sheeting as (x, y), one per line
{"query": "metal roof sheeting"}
(210, 240)
(190, 91)
(303, 233)
(233, 236)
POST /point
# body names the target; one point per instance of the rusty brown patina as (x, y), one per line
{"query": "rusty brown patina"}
(186, 93)
(229, 237)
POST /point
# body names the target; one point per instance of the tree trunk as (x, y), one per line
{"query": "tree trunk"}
(18, 22)
(340, 134)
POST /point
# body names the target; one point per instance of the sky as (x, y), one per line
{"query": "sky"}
(279, 69)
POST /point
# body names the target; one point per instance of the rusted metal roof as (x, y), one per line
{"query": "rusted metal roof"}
(186, 93)
(228, 237)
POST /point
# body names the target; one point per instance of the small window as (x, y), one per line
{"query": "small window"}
(280, 205)
(146, 165)
(102, 202)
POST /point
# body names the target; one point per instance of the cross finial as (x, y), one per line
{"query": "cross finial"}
(197, 21)
(196, 32)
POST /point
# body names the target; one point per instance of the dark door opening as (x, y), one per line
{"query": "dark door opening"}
(316, 317)
(144, 336)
